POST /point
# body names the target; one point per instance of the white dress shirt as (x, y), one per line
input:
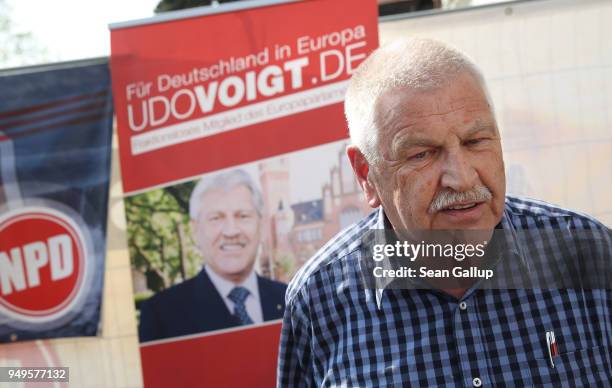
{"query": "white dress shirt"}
(252, 302)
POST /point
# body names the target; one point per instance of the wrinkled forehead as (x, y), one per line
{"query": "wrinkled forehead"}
(401, 108)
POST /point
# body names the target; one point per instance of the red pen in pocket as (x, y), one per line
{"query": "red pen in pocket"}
(551, 345)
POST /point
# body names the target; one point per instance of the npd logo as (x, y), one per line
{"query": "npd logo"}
(43, 265)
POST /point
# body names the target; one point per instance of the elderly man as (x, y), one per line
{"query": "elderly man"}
(226, 214)
(426, 151)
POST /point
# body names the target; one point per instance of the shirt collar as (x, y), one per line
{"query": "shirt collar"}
(224, 286)
(382, 223)
(508, 241)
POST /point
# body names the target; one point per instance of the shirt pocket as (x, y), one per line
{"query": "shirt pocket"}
(591, 367)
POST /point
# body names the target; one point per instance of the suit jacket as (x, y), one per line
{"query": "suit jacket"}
(195, 306)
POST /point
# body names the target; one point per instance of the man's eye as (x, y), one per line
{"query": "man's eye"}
(475, 141)
(420, 156)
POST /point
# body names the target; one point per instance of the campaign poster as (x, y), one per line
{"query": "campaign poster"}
(232, 138)
(55, 149)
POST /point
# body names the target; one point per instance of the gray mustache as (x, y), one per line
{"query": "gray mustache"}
(447, 198)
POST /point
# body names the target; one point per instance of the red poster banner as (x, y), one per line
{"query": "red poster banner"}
(208, 105)
(252, 84)
(234, 359)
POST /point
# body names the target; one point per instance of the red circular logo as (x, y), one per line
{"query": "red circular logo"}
(42, 263)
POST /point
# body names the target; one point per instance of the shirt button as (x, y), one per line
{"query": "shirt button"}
(463, 305)
(477, 382)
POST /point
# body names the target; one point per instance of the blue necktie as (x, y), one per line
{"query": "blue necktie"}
(238, 295)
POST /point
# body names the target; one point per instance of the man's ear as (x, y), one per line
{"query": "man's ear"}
(361, 168)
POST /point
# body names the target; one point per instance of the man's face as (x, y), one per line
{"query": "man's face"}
(227, 231)
(437, 142)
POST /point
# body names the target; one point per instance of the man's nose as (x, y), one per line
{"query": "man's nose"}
(457, 172)
(230, 227)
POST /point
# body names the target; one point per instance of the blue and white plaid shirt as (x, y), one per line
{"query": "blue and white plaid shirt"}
(336, 333)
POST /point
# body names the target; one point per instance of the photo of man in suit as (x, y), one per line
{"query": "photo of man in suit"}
(226, 217)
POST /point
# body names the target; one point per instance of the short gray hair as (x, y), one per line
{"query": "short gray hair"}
(224, 181)
(416, 64)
